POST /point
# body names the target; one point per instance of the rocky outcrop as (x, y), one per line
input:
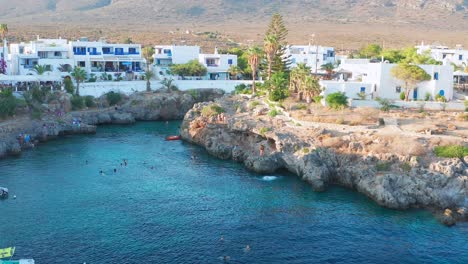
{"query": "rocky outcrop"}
(405, 184)
(139, 106)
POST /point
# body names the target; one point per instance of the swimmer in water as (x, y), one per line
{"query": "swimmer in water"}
(222, 238)
(152, 167)
(247, 248)
(101, 172)
(226, 258)
(115, 170)
(86, 162)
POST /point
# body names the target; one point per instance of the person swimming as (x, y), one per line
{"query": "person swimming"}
(115, 170)
(101, 172)
(247, 248)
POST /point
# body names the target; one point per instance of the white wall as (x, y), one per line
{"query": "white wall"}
(450, 106)
(99, 88)
(351, 89)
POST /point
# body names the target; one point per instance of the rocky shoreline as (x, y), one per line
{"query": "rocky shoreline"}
(330, 155)
(137, 107)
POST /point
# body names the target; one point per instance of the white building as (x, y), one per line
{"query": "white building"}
(116, 60)
(217, 64)
(54, 54)
(313, 56)
(457, 56)
(376, 80)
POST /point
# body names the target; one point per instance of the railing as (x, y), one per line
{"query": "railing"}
(95, 53)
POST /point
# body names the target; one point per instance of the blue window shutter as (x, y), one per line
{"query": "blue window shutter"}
(436, 76)
(363, 89)
(460, 57)
(230, 61)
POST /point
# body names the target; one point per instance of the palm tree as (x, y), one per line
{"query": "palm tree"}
(79, 74)
(40, 69)
(270, 47)
(3, 32)
(148, 53)
(297, 78)
(311, 88)
(254, 54)
(234, 71)
(148, 75)
(167, 83)
(329, 67)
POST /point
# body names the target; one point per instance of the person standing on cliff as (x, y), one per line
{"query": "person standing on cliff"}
(262, 150)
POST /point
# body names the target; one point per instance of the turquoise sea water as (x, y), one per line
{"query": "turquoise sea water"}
(166, 207)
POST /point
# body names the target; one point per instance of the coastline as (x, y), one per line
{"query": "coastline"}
(155, 106)
(326, 155)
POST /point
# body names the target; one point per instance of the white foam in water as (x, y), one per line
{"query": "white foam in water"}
(269, 178)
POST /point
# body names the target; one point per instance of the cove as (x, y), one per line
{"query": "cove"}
(166, 207)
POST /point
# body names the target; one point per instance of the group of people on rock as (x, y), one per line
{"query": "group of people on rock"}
(77, 122)
(24, 139)
(221, 118)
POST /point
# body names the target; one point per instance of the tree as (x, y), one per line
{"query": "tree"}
(277, 86)
(311, 88)
(254, 54)
(370, 51)
(3, 32)
(149, 74)
(411, 75)
(40, 69)
(79, 74)
(329, 67)
(234, 71)
(277, 29)
(191, 68)
(452, 151)
(169, 85)
(148, 53)
(270, 46)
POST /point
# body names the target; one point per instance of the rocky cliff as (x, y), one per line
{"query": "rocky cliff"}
(265, 144)
(139, 106)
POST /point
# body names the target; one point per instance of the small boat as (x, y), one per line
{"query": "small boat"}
(3, 193)
(171, 138)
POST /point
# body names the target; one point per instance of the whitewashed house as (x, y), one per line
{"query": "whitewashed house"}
(376, 80)
(217, 64)
(444, 54)
(313, 56)
(116, 60)
(51, 53)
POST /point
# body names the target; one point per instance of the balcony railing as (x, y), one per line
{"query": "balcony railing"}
(95, 53)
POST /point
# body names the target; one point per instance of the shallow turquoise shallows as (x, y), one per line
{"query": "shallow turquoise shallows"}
(166, 207)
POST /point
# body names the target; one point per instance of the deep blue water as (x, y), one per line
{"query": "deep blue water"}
(66, 212)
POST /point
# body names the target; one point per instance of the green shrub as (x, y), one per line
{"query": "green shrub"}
(383, 166)
(402, 96)
(440, 98)
(306, 150)
(317, 99)
(39, 95)
(384, 104)
(89, 101)
(362, 95)
(67, 82)
(36, 114)
(337, 100)
(427, 97)
(452, 151)
(194, 93)
(242, 89)
(278, 94)
(263, 131)
(466, 105)
(301, 107)
(113, 98)
(8, 103)
(77, 102)
(212, 110)
(274, 113)
(406, 167)
(254, 104)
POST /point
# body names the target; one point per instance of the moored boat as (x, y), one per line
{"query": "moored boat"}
(170, 138)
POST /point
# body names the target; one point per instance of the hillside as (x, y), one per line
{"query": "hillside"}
(380, 17)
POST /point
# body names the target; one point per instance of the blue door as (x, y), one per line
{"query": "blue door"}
(415, 94)
(441, 92)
